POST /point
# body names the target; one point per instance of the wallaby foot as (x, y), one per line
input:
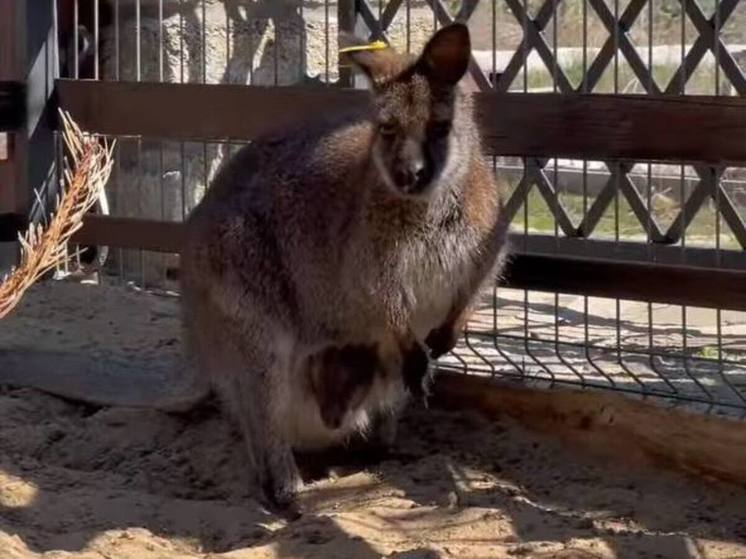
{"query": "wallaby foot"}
(282, 480)
(280, 490)
(289, 511)
(279, 478)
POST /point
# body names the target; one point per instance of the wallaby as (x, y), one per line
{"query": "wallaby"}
(363, 228)
(345, 230)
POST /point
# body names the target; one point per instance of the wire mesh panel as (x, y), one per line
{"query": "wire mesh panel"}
(596, 46)
(596, 207)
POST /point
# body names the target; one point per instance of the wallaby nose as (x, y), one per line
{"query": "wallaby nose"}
(411, 176)
(405, 178)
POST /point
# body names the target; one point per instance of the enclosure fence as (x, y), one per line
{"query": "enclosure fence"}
(617, 129)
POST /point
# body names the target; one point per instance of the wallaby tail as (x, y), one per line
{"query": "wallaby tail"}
(114, 382)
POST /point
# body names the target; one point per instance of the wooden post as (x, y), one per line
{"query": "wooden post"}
(29, 60)
(13, 160)
(12, 65)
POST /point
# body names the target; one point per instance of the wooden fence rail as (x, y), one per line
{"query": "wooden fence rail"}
(698, 129)
(640, 281)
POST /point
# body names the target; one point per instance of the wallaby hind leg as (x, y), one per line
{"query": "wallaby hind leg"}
(237, 360)
(270, 456)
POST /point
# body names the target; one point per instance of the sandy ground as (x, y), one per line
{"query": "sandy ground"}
(90, 482)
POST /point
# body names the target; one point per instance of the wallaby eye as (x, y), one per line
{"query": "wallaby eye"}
(387, 129)
(440, 129)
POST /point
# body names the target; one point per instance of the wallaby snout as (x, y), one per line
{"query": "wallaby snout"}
(411, 173)
(412, 159)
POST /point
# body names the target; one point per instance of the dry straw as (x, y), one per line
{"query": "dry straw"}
(86, 168)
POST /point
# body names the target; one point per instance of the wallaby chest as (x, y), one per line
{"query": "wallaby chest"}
(415, 279)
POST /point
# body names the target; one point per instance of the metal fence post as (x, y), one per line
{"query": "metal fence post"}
(347, 13)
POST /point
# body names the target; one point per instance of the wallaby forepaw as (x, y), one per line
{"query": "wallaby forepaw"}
(441, 341)
(415, 367)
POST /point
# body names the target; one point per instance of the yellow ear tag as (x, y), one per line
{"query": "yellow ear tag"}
(376, 45)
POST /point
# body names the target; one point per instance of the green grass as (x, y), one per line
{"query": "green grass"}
(618, 221)
(708, 352)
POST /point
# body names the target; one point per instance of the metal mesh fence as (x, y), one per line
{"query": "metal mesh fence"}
(655, 47)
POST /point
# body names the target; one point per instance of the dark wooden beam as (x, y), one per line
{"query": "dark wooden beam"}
(628, 251)
(692, 128)
(220, 112)
(626, 127)
(123, 232)
(636, 281)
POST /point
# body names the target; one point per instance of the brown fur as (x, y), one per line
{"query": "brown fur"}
(341, 377)
(351, 229)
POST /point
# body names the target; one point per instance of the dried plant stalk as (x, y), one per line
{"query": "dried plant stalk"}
(85, 172)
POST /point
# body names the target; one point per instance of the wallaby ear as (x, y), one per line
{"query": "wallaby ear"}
(445, 57)
(378, 61)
